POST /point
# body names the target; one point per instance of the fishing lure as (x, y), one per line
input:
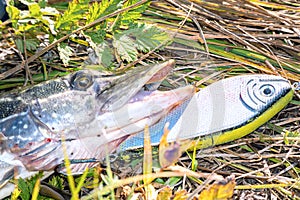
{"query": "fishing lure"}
(224, 111)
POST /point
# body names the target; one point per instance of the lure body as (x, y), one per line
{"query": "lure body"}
(220, 108)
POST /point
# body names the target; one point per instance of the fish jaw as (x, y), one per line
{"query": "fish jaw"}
(146, 108)
(56, 108)
(109, 130)
(122, 89)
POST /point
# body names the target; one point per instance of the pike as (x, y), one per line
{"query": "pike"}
(94, 114)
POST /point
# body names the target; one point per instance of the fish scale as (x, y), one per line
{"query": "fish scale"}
(34, 121)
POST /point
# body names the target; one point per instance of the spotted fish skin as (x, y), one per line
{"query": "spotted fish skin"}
(40, 116)
(19, 115)
(37, 122)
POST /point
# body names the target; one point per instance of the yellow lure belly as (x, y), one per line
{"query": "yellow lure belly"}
(230, 135)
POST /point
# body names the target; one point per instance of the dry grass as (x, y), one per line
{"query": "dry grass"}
(218, 39)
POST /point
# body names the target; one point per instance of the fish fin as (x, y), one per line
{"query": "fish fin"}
(7, 173)
(78, 165)
(3, 143)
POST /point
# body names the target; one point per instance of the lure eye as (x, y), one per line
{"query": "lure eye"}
(81, 81)
(267, 90)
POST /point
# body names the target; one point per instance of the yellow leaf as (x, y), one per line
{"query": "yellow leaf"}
(15, 194)
(165, 193)
(36, 189)
(35, 10)
(220, 190)
(180, 195)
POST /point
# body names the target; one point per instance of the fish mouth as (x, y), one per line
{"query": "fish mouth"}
(145, 108)
(131, 105)
(125, 87)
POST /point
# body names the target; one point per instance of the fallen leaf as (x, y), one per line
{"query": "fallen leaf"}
(220, 190)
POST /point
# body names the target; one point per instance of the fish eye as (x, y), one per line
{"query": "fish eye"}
(267, 90)
(81, 81)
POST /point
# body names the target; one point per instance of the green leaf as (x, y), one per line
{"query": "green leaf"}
(31, 44)
(147, 37)
(25, 190)
(172, 181)
(104, 54)
(71, 17)
(133, 14)
(125, 47)
(14, 15)
(13, 12)
(94, 12)
(103, 8)
(57, 182)
(42, 3)
(139, 37)
(97, 36)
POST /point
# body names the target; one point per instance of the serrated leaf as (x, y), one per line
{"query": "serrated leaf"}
(13, 12)
(99, 9)
(133, 14)
(35, 10)
(125, 47)
(64, 53)
(94, 12)
(140, 37)
(97, 36)
(57, 182)
(75, 12)
(147, 37)
(104, 54)
(25, 191)
(31, 44)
